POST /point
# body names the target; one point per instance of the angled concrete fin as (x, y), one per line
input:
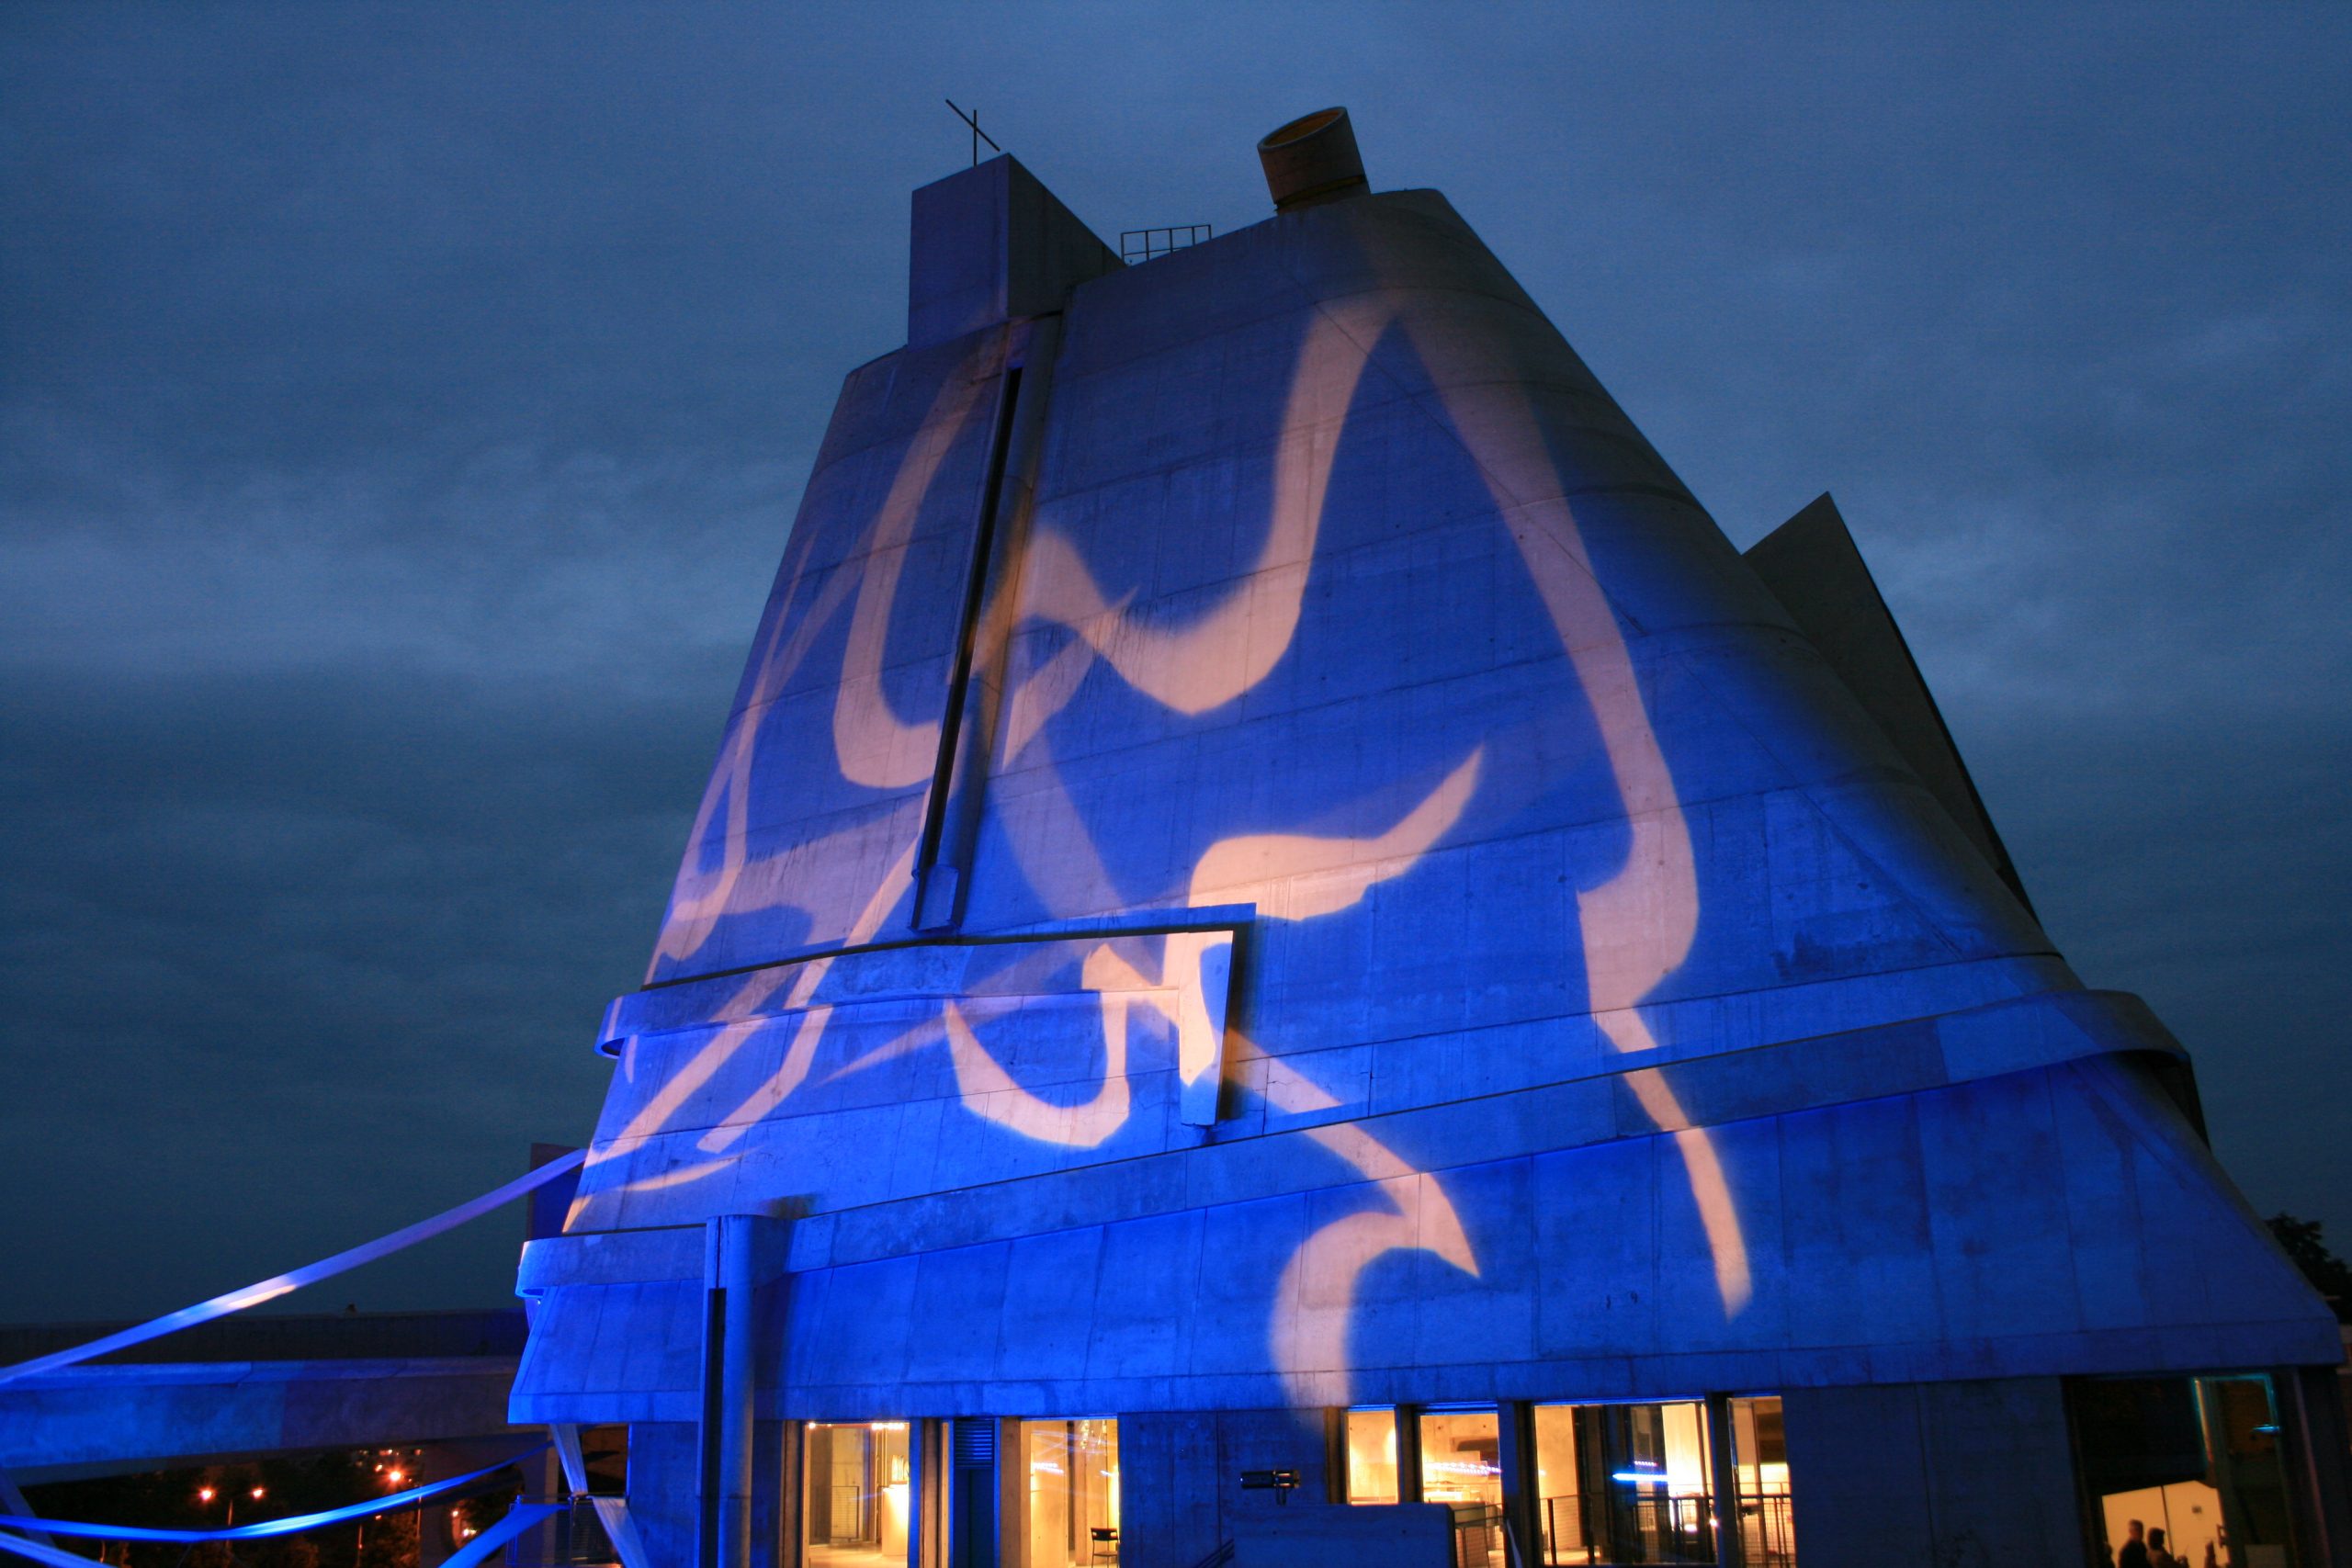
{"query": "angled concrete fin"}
(1812, 566)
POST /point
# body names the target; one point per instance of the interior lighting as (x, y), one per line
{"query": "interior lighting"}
(204, 1494)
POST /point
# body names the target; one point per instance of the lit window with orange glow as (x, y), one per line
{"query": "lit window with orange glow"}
(856, 1479)
(1073, 1491)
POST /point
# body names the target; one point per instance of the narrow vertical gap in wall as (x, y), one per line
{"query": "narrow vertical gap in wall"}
(708, 1435)
(960, 678)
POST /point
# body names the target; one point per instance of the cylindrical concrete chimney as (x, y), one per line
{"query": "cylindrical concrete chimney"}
(1312, 159)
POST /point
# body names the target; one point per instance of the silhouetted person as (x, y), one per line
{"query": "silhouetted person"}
(2160, 1555)
(2135, 1551)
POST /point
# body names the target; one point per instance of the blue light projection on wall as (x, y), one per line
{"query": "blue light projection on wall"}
(1202, 736)
(765, 846)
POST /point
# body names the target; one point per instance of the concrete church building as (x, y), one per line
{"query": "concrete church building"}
(1277, 904)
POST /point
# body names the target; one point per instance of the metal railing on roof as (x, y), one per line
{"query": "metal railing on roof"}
(1138, 245)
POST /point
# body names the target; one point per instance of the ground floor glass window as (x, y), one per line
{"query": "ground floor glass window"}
(1759, 1449)
(854, 1499)
(1612, 1484)
(1626, 1483)
(1073, 1467)
(2190, 1466)
(1372, 1456)
(1462, 1467)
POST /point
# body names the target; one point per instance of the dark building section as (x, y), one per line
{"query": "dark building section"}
(1289, 958)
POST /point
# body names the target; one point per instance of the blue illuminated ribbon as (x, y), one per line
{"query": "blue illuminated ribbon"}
(518, 1519)
(279, 1285)
(292, 1525)
(40, 1553)
(475, 1552)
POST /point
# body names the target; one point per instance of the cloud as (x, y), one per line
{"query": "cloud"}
(401, 412)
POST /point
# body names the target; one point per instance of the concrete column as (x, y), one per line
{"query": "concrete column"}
(731, 1489)
(1011, 1496)
(776, 1494)
(927, 1491)
(737, 1340)
(1408, 1453)
(1723, 1463)
(710, 1419)
(1522, 1501)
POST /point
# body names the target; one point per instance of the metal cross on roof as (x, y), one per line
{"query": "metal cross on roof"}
(979, 136)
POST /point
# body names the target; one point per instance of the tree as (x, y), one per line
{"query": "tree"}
(2329, 1274)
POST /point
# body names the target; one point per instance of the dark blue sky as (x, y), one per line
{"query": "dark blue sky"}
(401, 412)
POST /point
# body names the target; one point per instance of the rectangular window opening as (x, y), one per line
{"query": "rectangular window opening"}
(1634, 1483)
(1073, 1479)
(855, 1502)
(1372, 1456)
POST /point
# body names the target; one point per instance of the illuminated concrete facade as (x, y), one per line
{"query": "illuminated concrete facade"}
(1268, 857)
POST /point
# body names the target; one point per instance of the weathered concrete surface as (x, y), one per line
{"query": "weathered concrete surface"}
(1611, 1011)
(1976, 1472)
(1180, 1490)
(1597, 946)
(1814, 568)
(1398, 1535)
(992, 245)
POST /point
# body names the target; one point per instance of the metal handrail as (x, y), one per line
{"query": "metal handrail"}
(1139, 245)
